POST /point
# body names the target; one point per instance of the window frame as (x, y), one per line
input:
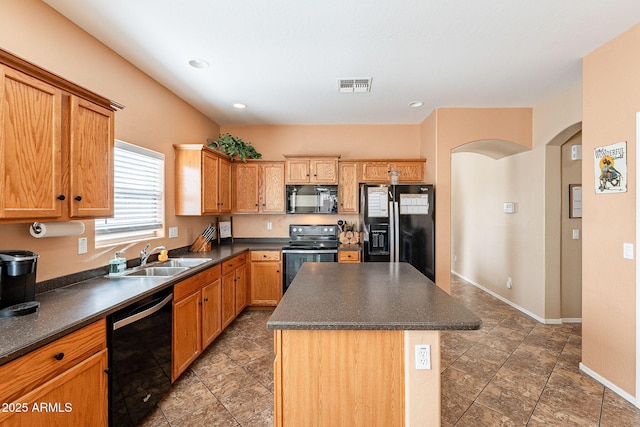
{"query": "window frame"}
(156, 193)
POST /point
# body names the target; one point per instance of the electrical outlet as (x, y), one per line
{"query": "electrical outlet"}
(173, 232)
(423, 356)
(509, 283)
(269, 225)
(82, 245)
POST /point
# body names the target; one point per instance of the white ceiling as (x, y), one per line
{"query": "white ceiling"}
(282, 58)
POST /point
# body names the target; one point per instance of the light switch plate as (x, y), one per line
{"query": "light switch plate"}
(509, 207)
(173, 232)
(82, 245)
(627, 250)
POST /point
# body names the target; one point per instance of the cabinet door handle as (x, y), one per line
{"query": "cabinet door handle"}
(277, 271)
(61, 197)
(78, 198)
(59, 356)
(199, 302)
(206, 300)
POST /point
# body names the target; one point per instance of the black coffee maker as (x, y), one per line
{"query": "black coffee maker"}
(18, 283)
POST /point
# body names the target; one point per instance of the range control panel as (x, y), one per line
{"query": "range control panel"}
(306, 231)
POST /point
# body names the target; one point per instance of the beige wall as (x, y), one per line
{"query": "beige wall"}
(571, 249)
(491, 246)
(555, 121)
(154, 118)
(448, 128)
(611, 85)
(348, 141)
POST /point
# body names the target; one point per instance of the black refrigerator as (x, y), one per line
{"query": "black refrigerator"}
(398, 224)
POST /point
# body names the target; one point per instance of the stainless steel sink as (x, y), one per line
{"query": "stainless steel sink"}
(157, 271)
(182, 262)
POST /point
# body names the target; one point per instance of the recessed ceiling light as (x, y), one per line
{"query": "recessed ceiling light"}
(199, 63)
(416, 104)
(239, 105)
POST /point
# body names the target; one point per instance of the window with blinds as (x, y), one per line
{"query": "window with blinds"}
(138, 199)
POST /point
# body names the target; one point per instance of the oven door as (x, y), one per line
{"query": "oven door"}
(294, 258)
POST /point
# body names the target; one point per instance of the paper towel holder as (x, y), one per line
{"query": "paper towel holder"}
(56, 229)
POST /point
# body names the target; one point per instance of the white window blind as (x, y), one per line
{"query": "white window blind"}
(138, 199)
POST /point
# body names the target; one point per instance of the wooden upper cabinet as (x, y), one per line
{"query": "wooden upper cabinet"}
(30, 147)
(224, 185)
(379, 171)
(203, 180)
(348, 187)
(272, 189)
(312, 169)
(209, 172)
(410, 171)
(258, 187)
(56, 148)
(246, 191)
(90, 149)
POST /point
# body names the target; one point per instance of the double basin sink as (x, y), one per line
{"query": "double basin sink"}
(167, 268)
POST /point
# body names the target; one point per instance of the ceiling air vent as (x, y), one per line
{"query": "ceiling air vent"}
(361, 84)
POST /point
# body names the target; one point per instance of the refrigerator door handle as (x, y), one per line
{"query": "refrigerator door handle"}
(392, 233)
(396, 233)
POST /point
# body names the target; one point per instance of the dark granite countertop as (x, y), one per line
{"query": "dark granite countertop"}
(72, 307)
(360, 296)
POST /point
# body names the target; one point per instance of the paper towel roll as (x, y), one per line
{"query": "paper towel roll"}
(56, 229)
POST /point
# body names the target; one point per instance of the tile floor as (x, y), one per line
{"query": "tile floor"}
(513, 372)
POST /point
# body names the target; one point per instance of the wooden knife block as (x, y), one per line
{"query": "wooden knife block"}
(200, 245)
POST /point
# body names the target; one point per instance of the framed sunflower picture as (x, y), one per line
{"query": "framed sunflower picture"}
(610, 163)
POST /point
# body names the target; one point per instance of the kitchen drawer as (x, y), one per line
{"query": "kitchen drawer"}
(349, 256)
(24, 374)
(194, 283)
(265, 255)
(233, 263)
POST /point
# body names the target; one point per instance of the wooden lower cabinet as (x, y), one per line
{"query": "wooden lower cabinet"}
(234, 288)
(196, 317)
(347, 255)
(61, 384)
(211, 312)
(266, 278)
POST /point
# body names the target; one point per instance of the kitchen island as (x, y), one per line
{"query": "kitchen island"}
(346, 341)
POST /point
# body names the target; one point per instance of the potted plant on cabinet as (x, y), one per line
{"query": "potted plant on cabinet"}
(234, 147)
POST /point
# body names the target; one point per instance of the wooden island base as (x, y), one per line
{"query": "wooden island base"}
(355, 378)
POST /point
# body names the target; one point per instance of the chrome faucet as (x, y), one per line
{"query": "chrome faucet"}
(144, 255)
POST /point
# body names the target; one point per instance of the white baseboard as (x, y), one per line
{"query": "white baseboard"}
(626, 396)
(517, 307)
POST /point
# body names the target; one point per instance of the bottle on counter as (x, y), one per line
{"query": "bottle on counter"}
(117, 265)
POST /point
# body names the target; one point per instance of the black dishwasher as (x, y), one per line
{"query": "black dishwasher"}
(139, 358)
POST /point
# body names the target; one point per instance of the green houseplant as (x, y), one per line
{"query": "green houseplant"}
(234, 147)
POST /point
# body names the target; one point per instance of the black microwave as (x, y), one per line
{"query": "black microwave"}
(312, 199)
